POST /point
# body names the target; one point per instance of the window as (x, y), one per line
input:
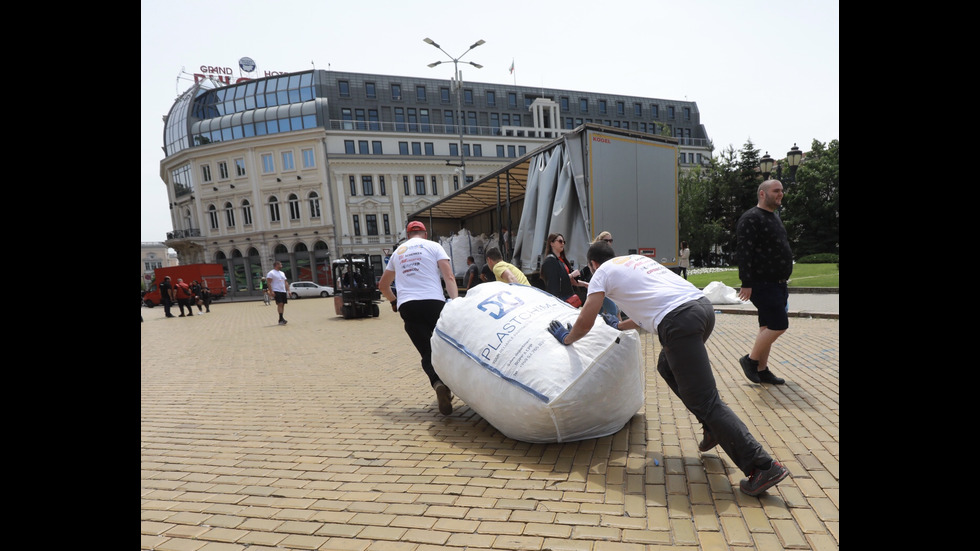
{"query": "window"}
(399, 119)
(370, 90)
(471, 120)
(408, 190)
(477, 150)
(447, 119)
(454, 149)
(495, 123)
(620, 108)
(206, 173)
(413, 120)
(376, 147)
(512, 99)
(347, 116)
(491, 98)
(367, 185)
(357, 225)
(602, 107)
(670, 111)
(416, 148)
(687, 113)
(314, 205)
(455, 182)
(435, 186)
(420, 185)
(430, 148)
(371, 224)
(268, 165)
(293, 207)
(362, 147)
(273, 209)
(403, 148)
(654, 110)
(381, 185)
(500, 151)
(373, 120)
(396, 91)
(213, 217)
(287, 161)
(564, 104)
(468, 96)
(583, 105)
(223, 170)
(309, 161)
(444, 95)
(353, 185)
(420, 93)
(387, 224)
(511, 151)
(349, 147)
(246, 212)
(344, 88)
(466, 149)
(637, 109)
(522, 150)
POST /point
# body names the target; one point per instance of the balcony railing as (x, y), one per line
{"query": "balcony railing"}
(184, 234)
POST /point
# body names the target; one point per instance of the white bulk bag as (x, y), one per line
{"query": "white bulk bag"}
(492, 347)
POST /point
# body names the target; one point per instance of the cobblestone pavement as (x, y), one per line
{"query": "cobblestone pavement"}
(323, 434)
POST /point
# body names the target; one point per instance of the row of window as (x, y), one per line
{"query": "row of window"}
(371, 224)
(268, 165)
(375, 147)
(245, 208)
(367, 185)
(468, 98)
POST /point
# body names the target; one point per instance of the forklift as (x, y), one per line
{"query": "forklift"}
(356, 293)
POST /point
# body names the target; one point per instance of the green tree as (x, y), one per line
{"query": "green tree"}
(696, 225)
(812, 202)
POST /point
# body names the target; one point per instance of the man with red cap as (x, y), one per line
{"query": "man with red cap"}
(417, 265)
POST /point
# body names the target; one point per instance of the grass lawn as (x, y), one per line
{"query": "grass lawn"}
(804, 275)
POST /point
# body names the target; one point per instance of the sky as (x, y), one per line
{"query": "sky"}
(765, 71)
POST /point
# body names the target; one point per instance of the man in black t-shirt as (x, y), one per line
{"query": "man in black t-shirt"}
(765, 263)
(167, 296)
(472, 277)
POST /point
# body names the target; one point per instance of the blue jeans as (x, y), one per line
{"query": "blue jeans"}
(685, 367)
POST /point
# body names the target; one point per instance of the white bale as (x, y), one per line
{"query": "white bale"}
(492, 347)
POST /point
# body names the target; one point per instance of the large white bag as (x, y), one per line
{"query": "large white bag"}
(492, 347)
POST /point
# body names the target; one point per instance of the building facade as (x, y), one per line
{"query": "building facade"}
(308, 166)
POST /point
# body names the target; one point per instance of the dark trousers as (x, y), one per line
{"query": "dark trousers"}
(166, 307)
(181, 302)
(420, 317)
(685, 366)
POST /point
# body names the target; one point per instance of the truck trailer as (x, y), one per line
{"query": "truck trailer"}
(589, 180)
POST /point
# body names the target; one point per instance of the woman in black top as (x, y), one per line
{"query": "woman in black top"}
(556, 271)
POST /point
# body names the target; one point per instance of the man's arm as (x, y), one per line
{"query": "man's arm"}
(385, 285)
(268, 285)
(449, 278)
(508, 277)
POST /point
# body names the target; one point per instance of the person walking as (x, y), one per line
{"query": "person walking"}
(184, 297)
(278, 288)
(662, 302)
(765, 263)
(417, 265)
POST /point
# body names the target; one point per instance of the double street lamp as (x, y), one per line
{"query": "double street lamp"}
(793, 157)
(459, 85)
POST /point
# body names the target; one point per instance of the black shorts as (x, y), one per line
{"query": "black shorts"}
(281, 297)
(772, 302)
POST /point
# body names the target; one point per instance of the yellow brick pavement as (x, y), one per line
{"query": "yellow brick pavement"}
(324, 435)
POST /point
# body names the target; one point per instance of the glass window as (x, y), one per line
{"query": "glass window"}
(670, 111)
(637, 109)
(424, 118)
(362, 147)
(353, 185)
(206, 172)
(213, 216)
(268, 165)
(420, 93)
(416, 148)
(273, 209)
(620, 108)
(564, 104)
(374, 123)
(420, 185)
(454, 149)
(396, 91)
(477, 150)
(512, 99)
(314, 205)
(347, 118)
(371, 223)
(511, 151)
(654, 110)
(293, 207)
(240, 167)
(246, 212)
(602, 107)
(444, 95)
(522, 150)
(367, 185)
(403, 148)
(468, 96)
(369, 90)
(344, 88)
(387, 225)
(376, 147)
(456, 182)
(491, 98)
(435, 186)
(223, 170)
(500, 151)
(407, 190)
(447, 119)
(357, 225)
(583, 105)
(349, 147)
(413, 120)
(399, 119)
(687, 113)
(430, 148)
(287, 161)
(309, 161)
(382, 189)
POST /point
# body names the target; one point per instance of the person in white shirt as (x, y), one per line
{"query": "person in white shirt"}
(662, 302)
(277, 286)
(420, 265)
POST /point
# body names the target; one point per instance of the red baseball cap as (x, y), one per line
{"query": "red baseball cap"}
(415, 225)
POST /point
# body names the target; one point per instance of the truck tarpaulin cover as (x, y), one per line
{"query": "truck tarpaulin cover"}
(494, 350)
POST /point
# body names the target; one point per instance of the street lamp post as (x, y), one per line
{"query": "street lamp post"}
(793, 158)
(459, 99)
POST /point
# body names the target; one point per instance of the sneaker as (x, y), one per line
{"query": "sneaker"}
(760, 481)
(750, 368)
(768, 378)
(445, 398)
(282, 322)
(707, 442)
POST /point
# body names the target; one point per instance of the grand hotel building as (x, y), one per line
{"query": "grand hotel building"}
(308, 166)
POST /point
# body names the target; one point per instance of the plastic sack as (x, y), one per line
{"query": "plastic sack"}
(719, 293)
(492, 347)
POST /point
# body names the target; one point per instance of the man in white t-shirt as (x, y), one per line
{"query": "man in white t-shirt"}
(662, 302)
(420, 266)
(278, 287)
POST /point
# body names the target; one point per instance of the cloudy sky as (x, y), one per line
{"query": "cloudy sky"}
(763, 71)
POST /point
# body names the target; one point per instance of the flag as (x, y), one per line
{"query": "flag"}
(512, 66)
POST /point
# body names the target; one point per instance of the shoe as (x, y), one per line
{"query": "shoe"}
(760, 481)
(707, 442)
(768, 378)
(445, 398)
(282, 322)
(750, 368)
(180, 316)
(171, 316)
